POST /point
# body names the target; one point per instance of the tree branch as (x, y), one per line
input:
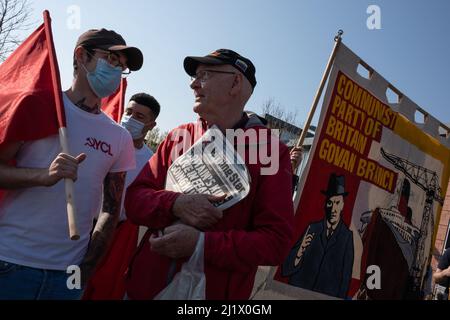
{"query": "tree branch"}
(14, 17)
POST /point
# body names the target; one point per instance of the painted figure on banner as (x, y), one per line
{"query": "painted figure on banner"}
(322, 259)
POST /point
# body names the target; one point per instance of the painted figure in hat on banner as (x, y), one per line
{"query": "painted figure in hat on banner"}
(322, 259)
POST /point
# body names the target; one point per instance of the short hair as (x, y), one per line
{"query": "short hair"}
(147, 100)
(91, 52)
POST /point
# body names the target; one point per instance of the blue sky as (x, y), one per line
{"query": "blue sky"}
(288, 41)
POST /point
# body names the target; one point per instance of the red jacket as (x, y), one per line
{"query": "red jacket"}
(256, 231)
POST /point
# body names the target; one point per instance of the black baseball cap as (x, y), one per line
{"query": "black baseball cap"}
(222, 57)
(112, 41)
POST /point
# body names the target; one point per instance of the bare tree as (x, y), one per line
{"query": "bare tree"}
(276, 110)
(288, 119)
(14, 17)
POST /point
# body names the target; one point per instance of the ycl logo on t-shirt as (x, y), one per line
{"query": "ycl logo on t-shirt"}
(99, 145)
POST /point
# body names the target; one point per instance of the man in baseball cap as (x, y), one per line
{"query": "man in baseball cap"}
(223, 57)
(222, 82)
(110, 40)
(101, 57)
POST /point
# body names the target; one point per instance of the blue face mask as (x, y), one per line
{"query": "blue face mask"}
(105, 79)
(134, 126)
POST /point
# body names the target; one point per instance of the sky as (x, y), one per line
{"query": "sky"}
(288, 41)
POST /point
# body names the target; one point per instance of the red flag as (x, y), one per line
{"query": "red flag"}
(113, 105)
(108, 281)
(27, 95)
(29, 89)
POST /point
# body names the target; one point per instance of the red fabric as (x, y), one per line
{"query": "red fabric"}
(27, 100)
(108, 282)
(113, 105)
(56, 82)
(256, 231)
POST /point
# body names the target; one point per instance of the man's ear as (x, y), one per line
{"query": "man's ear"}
(236, 87)
(80, 54)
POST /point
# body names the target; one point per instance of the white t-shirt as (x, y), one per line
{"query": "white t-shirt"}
(34, 230)
(142, 156)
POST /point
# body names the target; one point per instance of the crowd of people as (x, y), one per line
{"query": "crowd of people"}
(135, 234)
(121, 192)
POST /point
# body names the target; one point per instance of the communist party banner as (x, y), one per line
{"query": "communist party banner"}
(371, 194)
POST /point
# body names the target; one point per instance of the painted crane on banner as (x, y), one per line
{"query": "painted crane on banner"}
(428, 181)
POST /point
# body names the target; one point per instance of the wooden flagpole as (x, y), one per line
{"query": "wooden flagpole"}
(122, 99)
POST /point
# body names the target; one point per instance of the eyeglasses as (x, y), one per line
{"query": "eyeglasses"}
(113, 59)
(205, 75)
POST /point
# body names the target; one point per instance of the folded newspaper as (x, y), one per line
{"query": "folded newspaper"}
(210, 166)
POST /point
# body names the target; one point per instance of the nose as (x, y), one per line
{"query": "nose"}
(195, 83)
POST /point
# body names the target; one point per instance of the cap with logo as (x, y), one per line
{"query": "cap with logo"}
(112, 41)
(222, 57)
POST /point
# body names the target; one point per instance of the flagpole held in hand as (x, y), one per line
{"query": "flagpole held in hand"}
(71, 209)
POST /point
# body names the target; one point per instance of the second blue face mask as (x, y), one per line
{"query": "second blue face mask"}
(105, 79)
(134, 126)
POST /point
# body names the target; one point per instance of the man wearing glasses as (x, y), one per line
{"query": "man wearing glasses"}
(255, 231)
(35, 249)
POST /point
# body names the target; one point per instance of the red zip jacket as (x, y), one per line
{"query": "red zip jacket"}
(256, 231)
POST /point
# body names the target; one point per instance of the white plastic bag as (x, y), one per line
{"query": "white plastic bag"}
(190, 282)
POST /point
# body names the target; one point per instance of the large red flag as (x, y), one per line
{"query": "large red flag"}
(27, 99)
(113, 105)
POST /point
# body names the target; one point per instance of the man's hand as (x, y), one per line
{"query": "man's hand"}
(177, 241)
(64, 166)
(197, 210)
(296, 155)
(441, 276)
(11, 177)
(446, 272)
(306, 242)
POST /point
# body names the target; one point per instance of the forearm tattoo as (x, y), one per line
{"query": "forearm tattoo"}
(106, 223)
(112, 192)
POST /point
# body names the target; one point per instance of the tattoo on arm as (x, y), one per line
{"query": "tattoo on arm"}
(106, 223)
(112, 192)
